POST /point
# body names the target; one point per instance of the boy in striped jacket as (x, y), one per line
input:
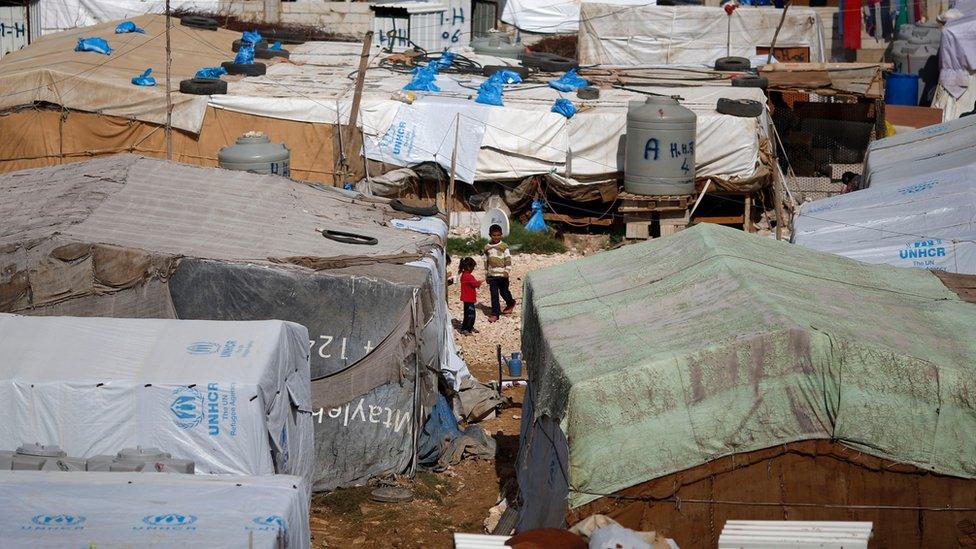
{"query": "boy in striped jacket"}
(498, 265)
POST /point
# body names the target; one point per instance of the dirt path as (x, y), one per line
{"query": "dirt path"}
(458, 499)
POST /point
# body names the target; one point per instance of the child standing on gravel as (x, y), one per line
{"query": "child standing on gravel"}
(498, 265)
(469, 294)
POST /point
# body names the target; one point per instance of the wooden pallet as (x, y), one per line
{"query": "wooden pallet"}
(630, 203)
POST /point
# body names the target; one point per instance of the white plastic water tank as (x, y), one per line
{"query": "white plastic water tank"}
(254, 152)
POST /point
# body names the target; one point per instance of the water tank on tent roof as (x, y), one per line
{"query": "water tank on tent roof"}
(254, 152)
(660, 151)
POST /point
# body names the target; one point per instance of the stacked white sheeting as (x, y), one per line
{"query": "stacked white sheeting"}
(82, 509)
(61, 15)
(552, 17)
(924, 222)
(234, 397)
(928, 142)
(641, 35)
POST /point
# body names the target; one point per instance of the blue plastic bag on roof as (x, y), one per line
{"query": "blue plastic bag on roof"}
(210, 72)
(276, 46)
(490, 93)
(144, 79)
(564, 107)
(245, 55)
(447, 58)
(423, 79)
(128, 26)
(97, 45)
(568, 82)
(537, 223)
(505, 76)
(251, 36)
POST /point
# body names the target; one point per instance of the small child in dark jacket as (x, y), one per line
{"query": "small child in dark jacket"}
(469, 294)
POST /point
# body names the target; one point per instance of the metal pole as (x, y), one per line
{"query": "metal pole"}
(450, 186)
(169, 92)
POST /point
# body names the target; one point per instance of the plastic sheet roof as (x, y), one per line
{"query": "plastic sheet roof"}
(661, 356)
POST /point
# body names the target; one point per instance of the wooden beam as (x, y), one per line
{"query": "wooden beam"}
(809, 67)
(552, 216)
(747, 214)
(720, 220)
(357, 95)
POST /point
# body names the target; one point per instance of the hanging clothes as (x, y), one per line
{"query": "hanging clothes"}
(852, 24)
(902, 14)
(876, 15)
(887, 31)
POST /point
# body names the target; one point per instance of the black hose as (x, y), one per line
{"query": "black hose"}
(424, 211)
(349, 238)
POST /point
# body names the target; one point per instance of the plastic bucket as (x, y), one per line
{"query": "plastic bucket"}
(902, 89)
(515, 365)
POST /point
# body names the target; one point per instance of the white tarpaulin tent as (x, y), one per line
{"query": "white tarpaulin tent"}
(891, 155)
(927, 222)
(521, 139)
(83, 509)
(547, 16)
(649, 34)
(61, 15)
(227, 395)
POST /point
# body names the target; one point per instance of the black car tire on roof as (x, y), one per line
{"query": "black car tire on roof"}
(203, 86)
(732, 64)
(236, 46)
(489, 70)
(750, 81)
(267, 53)
(745, 108)
(199, 22)
(285, 36)
(589, 92)
(250, 69)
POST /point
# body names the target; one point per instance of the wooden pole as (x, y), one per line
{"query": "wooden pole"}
(357, 94)
(778, 205)
(450, 186)
(169, 91)
(782, 19)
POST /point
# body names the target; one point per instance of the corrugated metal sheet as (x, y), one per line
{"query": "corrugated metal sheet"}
(478, 541)
(781, 534)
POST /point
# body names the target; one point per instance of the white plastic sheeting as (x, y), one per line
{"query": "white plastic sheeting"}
(926, 221)
(81, 509)
(643, 35)
(889, 155)
(553, 16)
(425, 132)
(956, 92)
(60, 15)
(232, 396)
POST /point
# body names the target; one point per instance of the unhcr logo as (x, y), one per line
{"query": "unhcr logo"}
(187, 407)
(203, 348)
(917, 188)
(168, 521)
(56, 522)
(271, 522)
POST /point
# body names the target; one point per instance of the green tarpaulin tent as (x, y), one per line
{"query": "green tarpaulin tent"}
(658, 357)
